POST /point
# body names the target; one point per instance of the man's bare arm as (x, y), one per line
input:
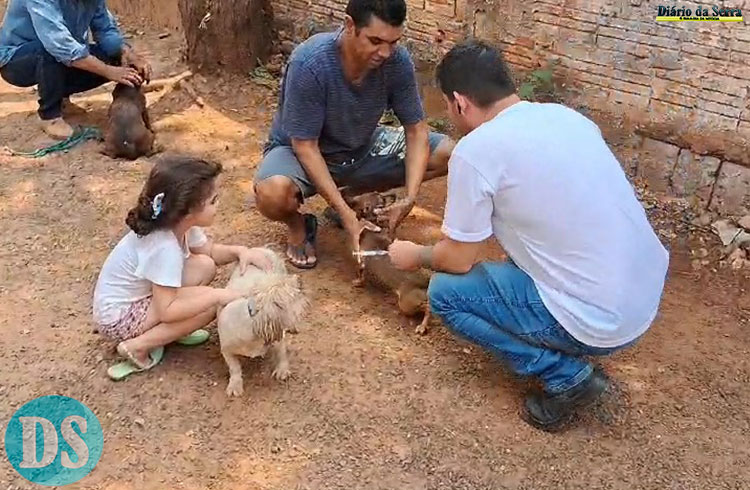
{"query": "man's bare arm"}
(308, 153)
(117, 74)
(450, 256)
(417, 156)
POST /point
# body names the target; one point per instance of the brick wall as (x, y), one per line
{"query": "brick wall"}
(681, 78)
(684, 87)
(432, 23)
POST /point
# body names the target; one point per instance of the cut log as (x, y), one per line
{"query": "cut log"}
(227, 35)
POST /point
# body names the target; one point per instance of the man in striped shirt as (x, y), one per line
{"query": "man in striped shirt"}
(325, 135)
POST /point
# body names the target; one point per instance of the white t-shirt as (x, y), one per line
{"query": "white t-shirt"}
(137, 263)
(541, 178)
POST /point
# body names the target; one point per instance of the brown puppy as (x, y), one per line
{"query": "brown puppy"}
(409, 287)
(128, 133)
(366, 204)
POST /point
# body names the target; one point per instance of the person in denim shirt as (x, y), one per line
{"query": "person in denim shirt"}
(45, 43)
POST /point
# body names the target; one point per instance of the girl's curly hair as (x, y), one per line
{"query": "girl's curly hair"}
(186, 183)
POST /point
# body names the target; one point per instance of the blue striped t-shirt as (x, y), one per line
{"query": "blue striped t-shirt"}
(318, 102)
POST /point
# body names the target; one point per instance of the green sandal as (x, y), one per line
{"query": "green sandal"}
(195, 338)
(124, 369)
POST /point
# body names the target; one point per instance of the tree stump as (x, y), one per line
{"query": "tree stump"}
(227, 35)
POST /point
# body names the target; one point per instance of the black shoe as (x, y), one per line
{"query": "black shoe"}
(550, 412)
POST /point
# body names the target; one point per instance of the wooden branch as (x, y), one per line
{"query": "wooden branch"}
(169, 82)
(178, 81)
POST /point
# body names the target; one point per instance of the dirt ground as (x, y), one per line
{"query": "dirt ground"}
(371, 405)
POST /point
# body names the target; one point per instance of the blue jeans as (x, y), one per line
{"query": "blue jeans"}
(497, 306)
(33, 65)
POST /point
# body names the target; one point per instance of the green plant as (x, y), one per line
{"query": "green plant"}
(538, 85)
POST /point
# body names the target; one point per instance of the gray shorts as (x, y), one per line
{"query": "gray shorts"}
(382, 168)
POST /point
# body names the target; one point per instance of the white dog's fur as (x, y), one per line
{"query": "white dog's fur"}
(277, 305)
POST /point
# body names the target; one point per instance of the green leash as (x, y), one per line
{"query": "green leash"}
(81, 134)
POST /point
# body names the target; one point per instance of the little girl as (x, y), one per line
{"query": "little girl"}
(153, 288)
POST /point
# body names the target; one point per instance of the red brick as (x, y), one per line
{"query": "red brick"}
(734, 100)
(546, 18)
(630, 25)
(630, 100)
(411, 5)
(724, 110)
(741, 34)
(689, 75)
(610, 83)
(520, 61)
(461, 9)
(724, 84)
(564, 11)
(675, 99)
(656, 164)
(738, 70)
(556, 4)
(622, 46)
(709, 38)
(740, 46)
(694, 176)
(731, 194)
(740, 58)
(714, 122)
(576, 36)
(637, 37)
(445, 8)
(705, 51)
(520, 51)
(607, 71)
(661, 110)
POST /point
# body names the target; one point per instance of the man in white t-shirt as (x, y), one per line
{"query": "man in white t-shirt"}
(586, 272)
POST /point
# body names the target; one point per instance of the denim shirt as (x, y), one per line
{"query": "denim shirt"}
(62, 27)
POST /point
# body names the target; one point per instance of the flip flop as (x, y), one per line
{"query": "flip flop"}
(311, 232)
(122, 370)
(195, 338)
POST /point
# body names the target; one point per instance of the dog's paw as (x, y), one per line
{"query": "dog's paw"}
(281, 372)
(421, 329)
(234, 388)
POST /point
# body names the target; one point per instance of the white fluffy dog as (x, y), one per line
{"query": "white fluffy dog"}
(251, 326)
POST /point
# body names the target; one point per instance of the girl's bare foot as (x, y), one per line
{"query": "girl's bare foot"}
(129, 350)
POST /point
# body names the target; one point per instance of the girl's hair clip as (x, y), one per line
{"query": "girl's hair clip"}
(156, 205)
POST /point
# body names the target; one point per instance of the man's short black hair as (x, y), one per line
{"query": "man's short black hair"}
(475, 69)
(392, 12)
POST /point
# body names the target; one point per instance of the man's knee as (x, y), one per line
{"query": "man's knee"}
(437, 165)
(439, 292)
(277, 197)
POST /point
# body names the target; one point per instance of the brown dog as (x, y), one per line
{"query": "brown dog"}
(128, 133)
(409, 287)
(366, 204)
